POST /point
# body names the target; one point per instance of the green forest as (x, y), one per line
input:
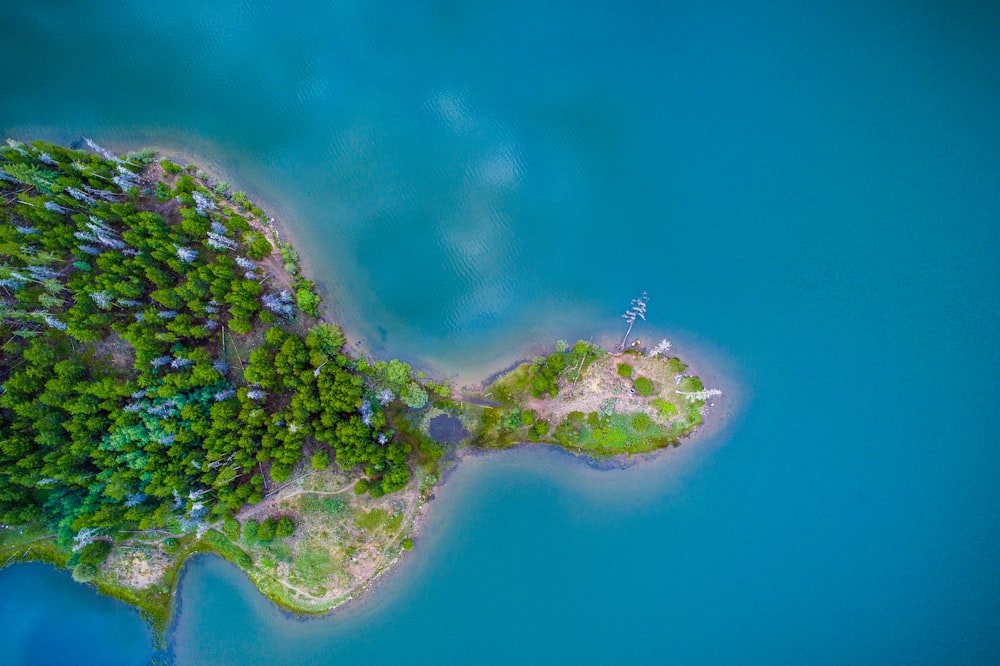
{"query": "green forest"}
(160, 361)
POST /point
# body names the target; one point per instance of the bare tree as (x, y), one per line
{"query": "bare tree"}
(637, 309)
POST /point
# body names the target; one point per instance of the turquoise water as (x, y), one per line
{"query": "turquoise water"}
(809, 192)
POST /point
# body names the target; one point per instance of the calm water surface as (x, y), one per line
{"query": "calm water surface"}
(810, 193)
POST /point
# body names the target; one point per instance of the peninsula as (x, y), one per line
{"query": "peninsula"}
(168, 386)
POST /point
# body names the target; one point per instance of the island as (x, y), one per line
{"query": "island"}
(169, 386)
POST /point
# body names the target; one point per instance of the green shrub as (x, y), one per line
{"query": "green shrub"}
(250, 530)
(308, 301)
(170, 545)
(640, 422)
(540, 429)
(84, 573)
(162, 192)
(290, 257)
(231, 528)
(691, 385)
(320, 459)
(624, 370)
(240, 325)
(361, 487)
(414, 396)
(95, 552)
(666, 409)
(643, 386)
(286, 527)
(258, 247)
(267, 530)
(169, 167)
(528, 417)
(513, 420)
(407, 543)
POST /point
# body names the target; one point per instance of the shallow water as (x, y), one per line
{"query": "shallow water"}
(808, 191)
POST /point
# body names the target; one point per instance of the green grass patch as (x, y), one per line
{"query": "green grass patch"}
(378, 519)
(229, 550)
(323, 504)
(666, 409)
(314, 567)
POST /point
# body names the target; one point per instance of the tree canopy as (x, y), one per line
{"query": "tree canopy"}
(132, 394)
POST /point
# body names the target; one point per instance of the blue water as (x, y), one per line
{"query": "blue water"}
(810, 193)
(49, 619)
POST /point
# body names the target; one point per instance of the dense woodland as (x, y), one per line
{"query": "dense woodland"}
(126, 289)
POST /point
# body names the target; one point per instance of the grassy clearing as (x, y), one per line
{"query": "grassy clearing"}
(378, 519)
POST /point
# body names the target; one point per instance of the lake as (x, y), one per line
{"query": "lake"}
(808, 191)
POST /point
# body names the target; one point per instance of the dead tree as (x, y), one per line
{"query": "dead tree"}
(637, 309)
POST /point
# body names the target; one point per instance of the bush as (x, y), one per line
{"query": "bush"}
(84, 573)
(290, 257)
(258, 247)
(308, 301)
(414, 396)
(95, 552)
(643, 386)
(361, 487)
(640, 422)
(407, 543)
(320, 459)
(528, 417)
(170, 545)
(676, 366)
(267, 530)
(624, 370)
(169, 167)
(540, 429)
(250, 529)
(513, 420)
(286, 527)
(691, 384)
(162, 192)
(666, 409)
(240, 325)
(231, 528)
